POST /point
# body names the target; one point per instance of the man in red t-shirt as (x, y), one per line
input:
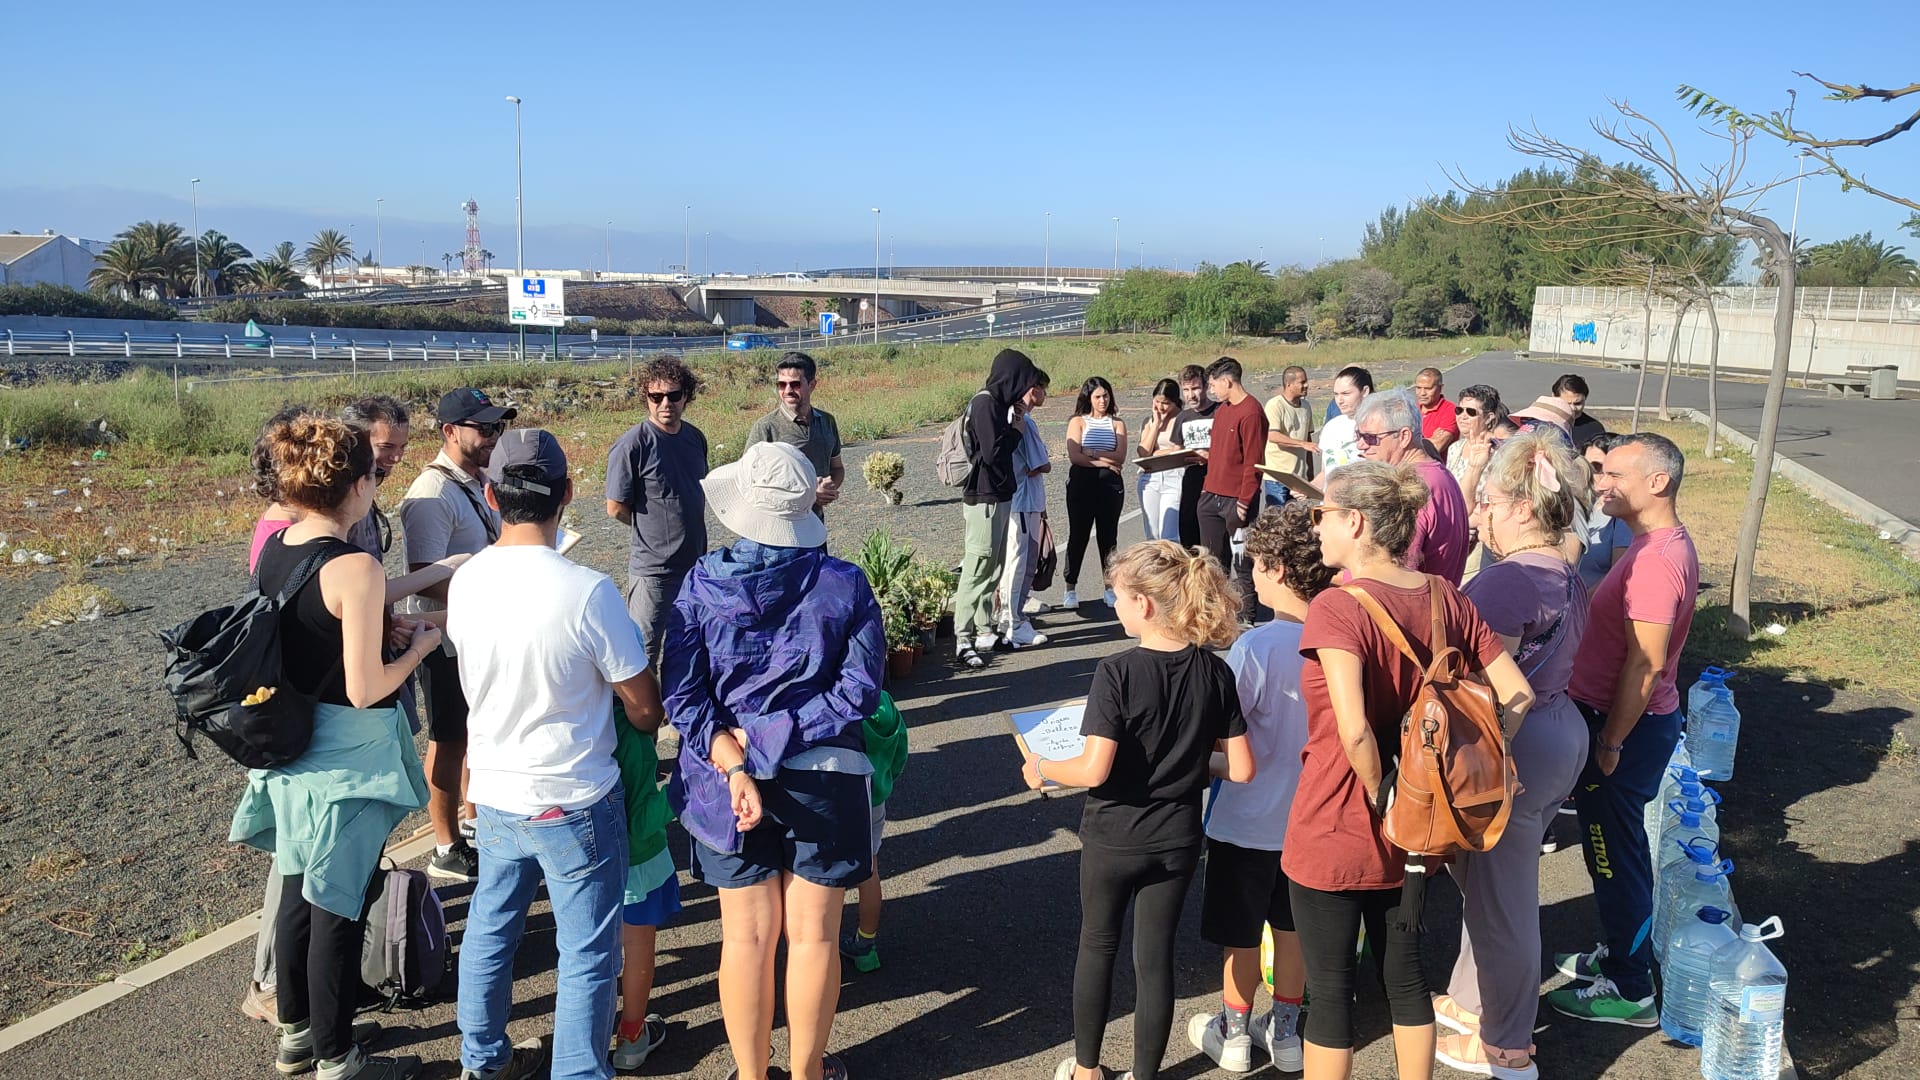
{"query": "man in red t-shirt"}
(1232, 486)
(1439, 420)
(1624, 683)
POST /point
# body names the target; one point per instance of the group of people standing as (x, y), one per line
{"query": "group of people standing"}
(1326, 576)
(1561, 571)
(544, 687)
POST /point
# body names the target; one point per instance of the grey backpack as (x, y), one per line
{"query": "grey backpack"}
(955, 462)
(404, 955)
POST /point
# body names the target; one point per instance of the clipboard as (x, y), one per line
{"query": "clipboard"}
(1050, 734)
(1175, 459)
(565, 540)
(1302, 488)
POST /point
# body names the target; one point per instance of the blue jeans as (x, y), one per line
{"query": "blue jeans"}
(1276, 492)
(583, 857)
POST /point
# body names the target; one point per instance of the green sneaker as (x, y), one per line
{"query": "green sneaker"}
(1580, 965)
(862, 953)
(1600, 1001)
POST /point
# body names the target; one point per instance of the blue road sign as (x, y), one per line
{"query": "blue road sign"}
(534, 286)
(827, 319)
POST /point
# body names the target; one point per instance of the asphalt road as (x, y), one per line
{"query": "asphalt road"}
(981, 917)
(1871, 448)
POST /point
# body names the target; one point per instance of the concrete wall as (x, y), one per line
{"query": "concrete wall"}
(1832, 329)
(59, 261)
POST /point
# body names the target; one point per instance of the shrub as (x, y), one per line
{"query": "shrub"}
(61, 302)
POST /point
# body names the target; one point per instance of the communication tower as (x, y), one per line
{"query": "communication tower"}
(470, 258)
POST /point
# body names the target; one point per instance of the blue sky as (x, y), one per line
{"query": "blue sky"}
(1213, 131)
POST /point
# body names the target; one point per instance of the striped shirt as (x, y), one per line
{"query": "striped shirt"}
(1096, 435)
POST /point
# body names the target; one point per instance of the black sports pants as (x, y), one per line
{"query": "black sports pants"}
(1155, 883)
(317, 969)
(1094, 498)
(1328, 925)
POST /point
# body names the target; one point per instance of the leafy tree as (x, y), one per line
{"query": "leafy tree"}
(219, 257)
(1859, 261)
(121, 267)
(328, 249)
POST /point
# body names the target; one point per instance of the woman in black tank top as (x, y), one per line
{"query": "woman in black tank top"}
(326, 816)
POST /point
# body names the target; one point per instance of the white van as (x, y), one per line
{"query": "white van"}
(796, 277)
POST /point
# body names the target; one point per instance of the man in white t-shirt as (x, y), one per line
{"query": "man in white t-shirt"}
(545, 645)
(1245, 888)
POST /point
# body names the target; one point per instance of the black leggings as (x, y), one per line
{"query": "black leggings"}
(1094, 498)
(1328, 925)
(317, 969)
(1156, 885)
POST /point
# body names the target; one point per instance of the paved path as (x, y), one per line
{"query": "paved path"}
(1871, 448)
(981, 917)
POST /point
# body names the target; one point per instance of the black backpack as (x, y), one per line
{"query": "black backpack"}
(228, 681)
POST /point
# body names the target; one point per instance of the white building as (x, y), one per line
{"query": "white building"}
(43, 260)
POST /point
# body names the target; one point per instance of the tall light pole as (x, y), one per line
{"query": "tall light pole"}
(1143, 254)
(519, 213)
(609, 247)
(876, 275)
(707, 259)
(1046, 254)
(1116, 244)
(196, 236)
(1323, 249)
(686, 239)
(377, 260)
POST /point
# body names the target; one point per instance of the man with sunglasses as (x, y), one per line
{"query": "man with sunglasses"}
(653, 487)
(1387, 428)
(445, 513)
(796, 422)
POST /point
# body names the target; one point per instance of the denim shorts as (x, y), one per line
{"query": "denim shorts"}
(816, 824)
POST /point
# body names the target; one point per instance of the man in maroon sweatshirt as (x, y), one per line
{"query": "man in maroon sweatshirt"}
(1233, 487)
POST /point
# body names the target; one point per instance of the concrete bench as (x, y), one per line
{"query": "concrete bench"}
(1840, 385)
(1627, 365)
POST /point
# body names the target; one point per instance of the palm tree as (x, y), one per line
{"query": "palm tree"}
(1859, 261)
(329, 248)
(446, 263)
(120, 266)
(486, 259)
(218, 258)
(167, 254)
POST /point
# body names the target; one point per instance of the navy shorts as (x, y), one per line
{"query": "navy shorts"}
(1245, 889)
(816, 824)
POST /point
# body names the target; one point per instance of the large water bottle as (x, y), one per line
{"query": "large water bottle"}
(1684, 987)
(1705, 886)
(1746, 1008)
(1689, 815)
(1714, 729)
(1670, 789)
(1713, 678)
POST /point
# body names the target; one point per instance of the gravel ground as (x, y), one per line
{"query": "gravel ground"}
(979, 871)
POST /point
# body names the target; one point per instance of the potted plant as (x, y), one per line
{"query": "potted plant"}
(884, 560)
(898, 621)
(883, 469)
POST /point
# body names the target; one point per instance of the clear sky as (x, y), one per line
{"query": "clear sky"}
(1213, 131)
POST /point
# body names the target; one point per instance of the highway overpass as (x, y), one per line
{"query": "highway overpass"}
(732, 297)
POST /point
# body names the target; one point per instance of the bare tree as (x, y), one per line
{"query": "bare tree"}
(1648, 200)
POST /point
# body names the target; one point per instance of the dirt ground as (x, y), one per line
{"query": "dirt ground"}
(112, 842)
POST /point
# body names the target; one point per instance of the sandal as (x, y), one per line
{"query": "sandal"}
(1469, 1055)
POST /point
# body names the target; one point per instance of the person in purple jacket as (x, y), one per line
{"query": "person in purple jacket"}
(772, 663)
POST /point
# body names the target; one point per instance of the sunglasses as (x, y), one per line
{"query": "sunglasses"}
(1468, 410)
(1319, 511)
(493, 430)
(787, 385)
(1372, 438)
(675, 396)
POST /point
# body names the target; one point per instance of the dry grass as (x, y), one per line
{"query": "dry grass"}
(74, 602)
(1848, 602)
(55, 865)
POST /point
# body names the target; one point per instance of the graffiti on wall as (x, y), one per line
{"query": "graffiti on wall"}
(1583, 334)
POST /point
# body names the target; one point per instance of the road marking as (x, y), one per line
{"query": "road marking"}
(178, 960)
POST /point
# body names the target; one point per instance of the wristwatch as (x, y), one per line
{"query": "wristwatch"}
(740, 768)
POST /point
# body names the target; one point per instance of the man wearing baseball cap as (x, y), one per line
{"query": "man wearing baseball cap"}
(545, 647)
(445, 513)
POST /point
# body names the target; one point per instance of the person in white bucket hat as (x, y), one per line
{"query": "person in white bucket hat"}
(772, 663)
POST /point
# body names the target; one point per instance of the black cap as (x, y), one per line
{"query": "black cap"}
(527, 446)
(469, 406)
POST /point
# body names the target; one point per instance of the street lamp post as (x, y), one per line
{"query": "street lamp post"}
(1116, 244)
(609, 247)
(707, 259)
(519, 212)
(1046, 254)
(377, 259)
(196, 236)
(686, 239)
(876, 275)
(1143, 254)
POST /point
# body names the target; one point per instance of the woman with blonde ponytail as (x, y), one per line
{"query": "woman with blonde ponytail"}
(1154, 717)
(1532, 501)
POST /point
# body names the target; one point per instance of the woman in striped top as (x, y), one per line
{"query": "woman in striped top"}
(1095, 494)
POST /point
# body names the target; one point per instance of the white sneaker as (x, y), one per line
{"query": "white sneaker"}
(1071, 600)
(1025, 635)
(1035, 606)
(1285, 1051)
(1112, 600)
(985, 642)
(1233, 1054)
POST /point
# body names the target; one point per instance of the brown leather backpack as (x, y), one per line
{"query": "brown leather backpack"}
(1456, 781)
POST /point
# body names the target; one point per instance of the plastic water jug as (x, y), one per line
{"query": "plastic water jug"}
(1714, 731)
(1746, 1008)
(1676, 865)
(1684, 987)
(1687, 816)
(1713, 678)
(1670, 789)
(1681, 755)
(1705, 886)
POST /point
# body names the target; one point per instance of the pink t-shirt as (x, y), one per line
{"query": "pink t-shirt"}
(1654, 582)
(1440, 531)
(262, 529)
